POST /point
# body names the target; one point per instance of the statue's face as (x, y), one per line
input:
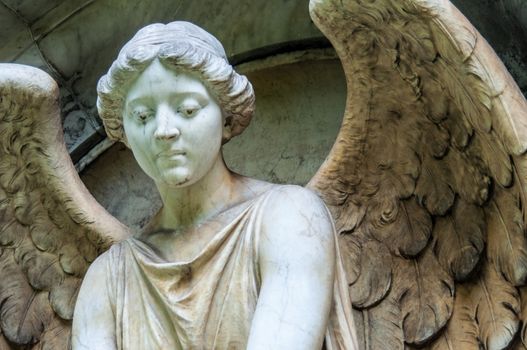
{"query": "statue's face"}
(173, 126)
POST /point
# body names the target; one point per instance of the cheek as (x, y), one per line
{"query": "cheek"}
(206, 131)
(139, 144)
(145, 162)
(210, 143)
(214, 124)
(205, 143)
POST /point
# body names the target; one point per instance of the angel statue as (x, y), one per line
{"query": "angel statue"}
(410, 235)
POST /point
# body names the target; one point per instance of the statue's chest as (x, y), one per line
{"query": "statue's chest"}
(181, 246)
(204, 302)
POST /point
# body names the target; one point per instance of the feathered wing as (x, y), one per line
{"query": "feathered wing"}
(51, 228)
(427, 178)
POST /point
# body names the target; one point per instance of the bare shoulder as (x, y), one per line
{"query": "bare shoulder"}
(296, 217)
(294, 202)
(299, 197)
(102, 267)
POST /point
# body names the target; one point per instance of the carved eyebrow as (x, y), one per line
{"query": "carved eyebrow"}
(202, 99)
(139, 101)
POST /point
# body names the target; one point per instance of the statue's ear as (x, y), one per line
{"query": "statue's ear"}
(227, 128)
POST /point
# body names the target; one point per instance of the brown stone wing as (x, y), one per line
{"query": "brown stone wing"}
(51, 228)
(427, 178)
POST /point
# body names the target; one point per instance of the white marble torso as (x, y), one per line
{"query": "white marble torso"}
(205, 302)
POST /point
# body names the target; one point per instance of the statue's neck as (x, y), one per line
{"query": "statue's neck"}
(190, 205)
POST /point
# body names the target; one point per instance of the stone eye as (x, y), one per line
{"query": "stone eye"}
(142, 115)
(189, 111)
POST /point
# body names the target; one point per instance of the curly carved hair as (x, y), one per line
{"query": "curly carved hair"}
(180, 45)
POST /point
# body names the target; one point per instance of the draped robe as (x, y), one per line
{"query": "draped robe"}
(208, 301)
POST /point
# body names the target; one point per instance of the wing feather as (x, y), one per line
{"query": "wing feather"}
(507, 248)
(63, 296)
(460, 239)
(426, 295)
(496, 159)
(523, 316)
(374, 279)
(384, 326)
(25, 311)
(42, 269)
(498, 305)
(57, 335)
(461, 330)
(461, 131)
(433, 189)
(519, 166)
(406, 228)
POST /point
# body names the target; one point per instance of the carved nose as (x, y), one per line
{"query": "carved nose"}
(166, 124)
(167, 133)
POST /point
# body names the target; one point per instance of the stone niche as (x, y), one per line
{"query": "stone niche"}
(300, 102)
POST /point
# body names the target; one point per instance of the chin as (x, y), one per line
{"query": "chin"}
(176, 183)
(177, 178)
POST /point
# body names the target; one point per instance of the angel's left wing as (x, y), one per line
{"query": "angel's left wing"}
(427, 180)
(51, 228)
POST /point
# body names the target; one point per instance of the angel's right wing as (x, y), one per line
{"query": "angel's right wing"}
(51, 228)
(427, 180)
